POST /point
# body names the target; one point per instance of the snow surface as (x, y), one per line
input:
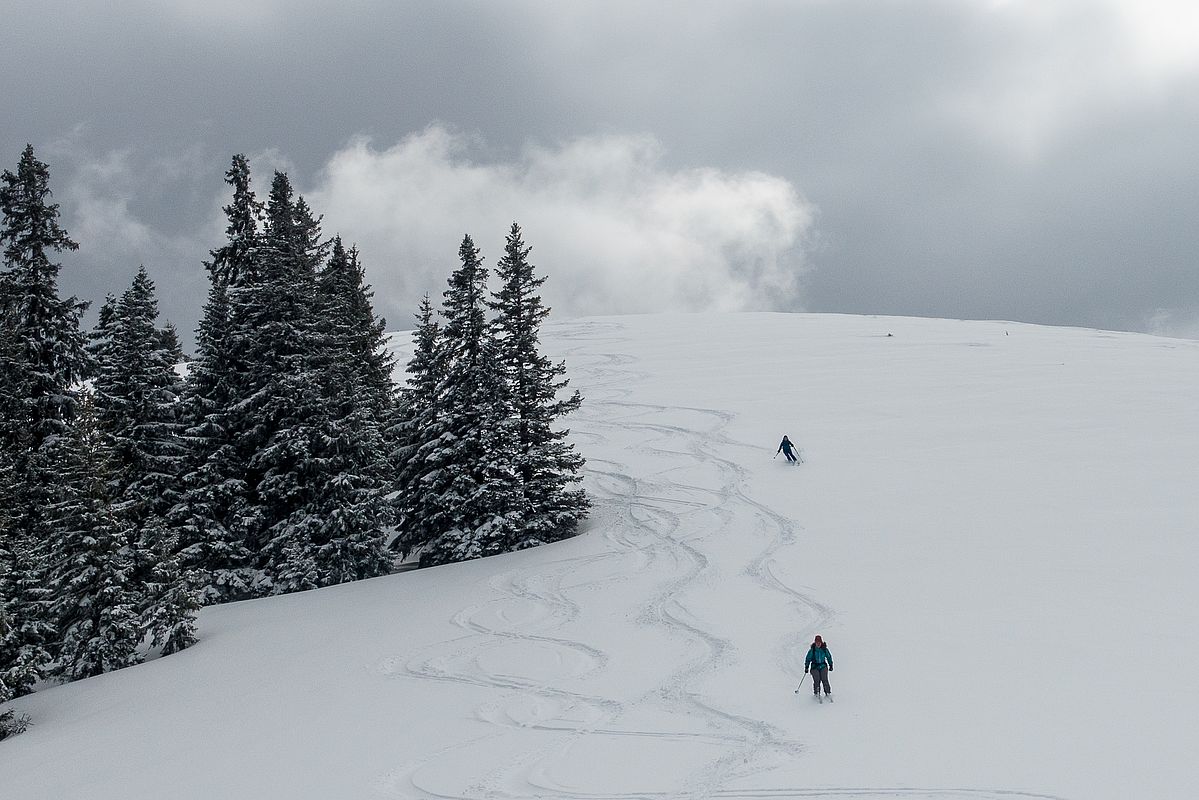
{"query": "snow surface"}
(994, 528)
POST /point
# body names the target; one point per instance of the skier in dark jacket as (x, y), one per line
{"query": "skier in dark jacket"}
(820, 663)
(787, 449)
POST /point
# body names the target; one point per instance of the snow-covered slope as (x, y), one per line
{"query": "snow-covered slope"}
(995, 529)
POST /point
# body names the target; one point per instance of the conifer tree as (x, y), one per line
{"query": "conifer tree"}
(42, 360)
(42, 351)
(10, 723)
(168, 341)
(215, 491)
(473, 505)
(170, 601)
(99, 341)
(137, 398)
(278, 420)
(137, 393)
(414, 433)
(342, 523)
(45, 351)
(288, 394)
(547, 465)
(233, 263)
(92, 601)
(348, 325)
(26, 635)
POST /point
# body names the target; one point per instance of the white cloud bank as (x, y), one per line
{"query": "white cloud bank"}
(614, 229)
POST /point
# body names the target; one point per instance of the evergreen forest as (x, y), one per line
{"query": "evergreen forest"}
(138, 484)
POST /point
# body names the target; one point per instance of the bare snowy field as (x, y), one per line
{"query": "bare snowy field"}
(995, 530)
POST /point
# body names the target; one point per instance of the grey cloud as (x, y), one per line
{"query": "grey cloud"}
(997, 158)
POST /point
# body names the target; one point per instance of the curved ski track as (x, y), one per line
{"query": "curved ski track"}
(648, 520)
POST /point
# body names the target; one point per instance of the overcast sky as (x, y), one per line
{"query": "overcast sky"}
(1031, 160)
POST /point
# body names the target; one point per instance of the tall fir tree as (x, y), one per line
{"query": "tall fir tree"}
(137, 397)
(169, 342)
(42, 360)
(413, 434)
(344, 519)
(45, 351)
(214, 486)
(279, 418)
(287, 397)
(472, 505)
(547, 464)
(348, 326)
(99, 341)
(137, 393)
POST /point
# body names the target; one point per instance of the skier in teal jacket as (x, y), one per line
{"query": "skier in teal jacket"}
(819, 662)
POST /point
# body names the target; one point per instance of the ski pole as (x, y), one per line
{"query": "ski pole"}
(797, 688)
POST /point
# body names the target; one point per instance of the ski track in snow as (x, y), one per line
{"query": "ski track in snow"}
(657, 522)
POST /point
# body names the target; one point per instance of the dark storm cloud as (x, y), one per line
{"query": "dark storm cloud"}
(1026, 160)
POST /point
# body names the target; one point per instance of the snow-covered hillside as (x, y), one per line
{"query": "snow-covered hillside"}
(994, 528)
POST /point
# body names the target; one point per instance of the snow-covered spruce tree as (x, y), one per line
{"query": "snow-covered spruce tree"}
(414, 432)
(548, 466)
(136, 395)
(93, 603)
(343, 523)
(473, 505)
(168, 341)
(169, 600)
(347, 323)
(27, 634)
(25, 643)
(10, 723)
(214, 487)
(42, 359)
(278, 420)
(99, 341)
(45, 351)
(137, 399)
